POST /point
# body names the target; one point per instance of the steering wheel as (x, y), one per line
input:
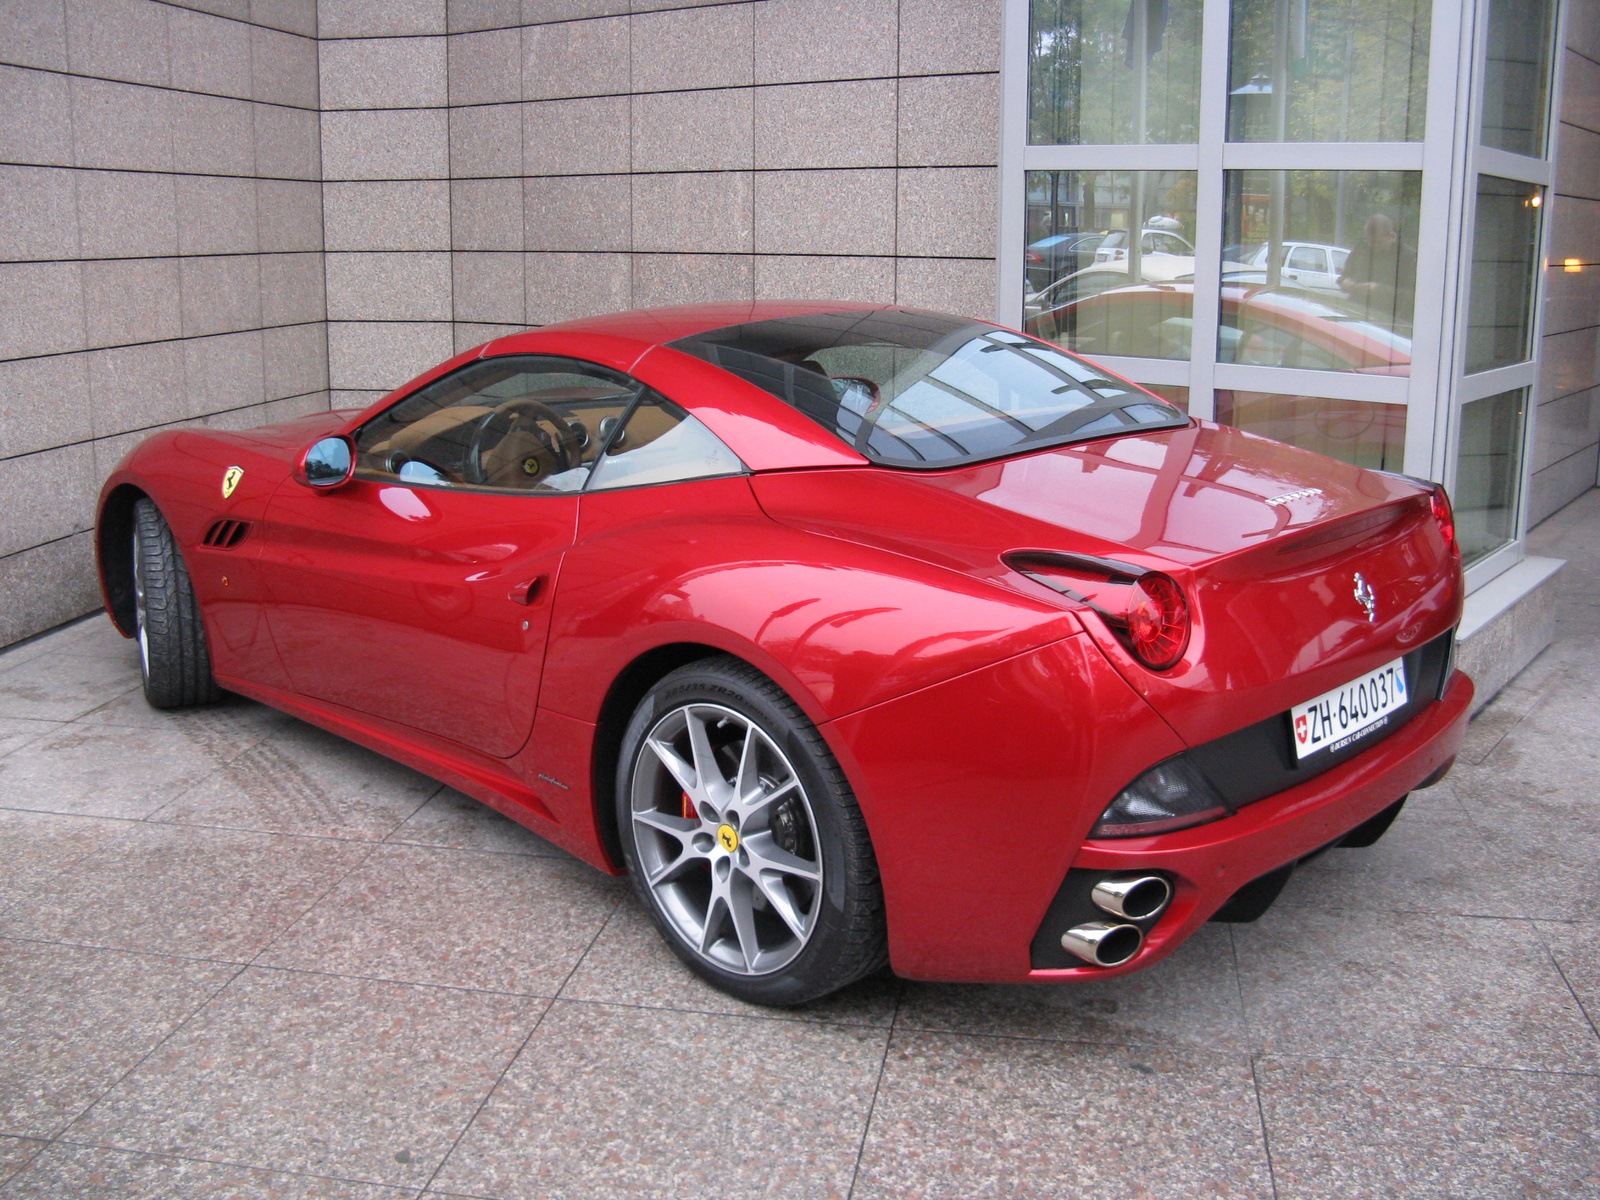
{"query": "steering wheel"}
(526, 414)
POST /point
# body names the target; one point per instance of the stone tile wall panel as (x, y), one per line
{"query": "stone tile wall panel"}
(1566, 423)
(172, 207)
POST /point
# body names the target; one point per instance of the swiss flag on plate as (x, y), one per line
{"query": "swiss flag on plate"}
(1300, 729)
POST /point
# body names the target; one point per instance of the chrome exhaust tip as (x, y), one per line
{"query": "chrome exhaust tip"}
(1104, 943)
(1132, 897)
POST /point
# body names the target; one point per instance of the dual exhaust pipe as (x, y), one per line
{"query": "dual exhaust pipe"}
(1131, 897)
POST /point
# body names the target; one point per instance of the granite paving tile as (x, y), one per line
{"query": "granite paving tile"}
(1541, 865)
(16, 1153)
(630, 964)
(92, 1173)
(1433, 859)
(462, 823)
(73, 1021)
(1382, 1131)
(461, 918)
(207, 893)
(304, 780)
(109, 771)
(132, 711)
(16, 732)
(360, 1079)
(51, 686)
(1575, 946)
(37, 849)
(608, 1101)
(979, 1117)
(1546, 765)
(1189, 999)
(1409, 987)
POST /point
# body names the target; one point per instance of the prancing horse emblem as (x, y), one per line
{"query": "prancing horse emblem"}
(1367, 597)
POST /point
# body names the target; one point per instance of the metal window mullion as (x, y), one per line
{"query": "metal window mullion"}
(1500, 379)
(1213, 134)
(1445, 202)
(1301, 381)
(1012, 192)
(1516, 167)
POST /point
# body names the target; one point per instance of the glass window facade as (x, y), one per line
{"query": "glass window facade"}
(1353, 431)
(1092, 286)
(1488, 473)
(1328, 70)
(1312, 246)
(1319, 269)
(1505, 253)
(1516, 77)
(1106, 72)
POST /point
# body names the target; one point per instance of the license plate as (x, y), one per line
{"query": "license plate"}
(1335, 719)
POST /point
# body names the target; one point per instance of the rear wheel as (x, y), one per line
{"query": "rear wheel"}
(174, 660)
(744, 840)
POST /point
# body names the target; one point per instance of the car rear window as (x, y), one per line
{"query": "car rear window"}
(919, 389)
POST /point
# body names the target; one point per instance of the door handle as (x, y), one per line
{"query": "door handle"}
(527, 593)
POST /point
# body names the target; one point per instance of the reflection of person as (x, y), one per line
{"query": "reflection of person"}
(1381, 273)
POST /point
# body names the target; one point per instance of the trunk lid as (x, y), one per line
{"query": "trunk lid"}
(1265, 540)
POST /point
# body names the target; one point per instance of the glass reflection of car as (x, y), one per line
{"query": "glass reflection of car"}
(1259, 325)
(1102, 277)
(1314, 265)
(1049, 258)
(1155, 241)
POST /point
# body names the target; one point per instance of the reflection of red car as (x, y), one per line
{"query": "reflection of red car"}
(855, 634)
(1258, 325)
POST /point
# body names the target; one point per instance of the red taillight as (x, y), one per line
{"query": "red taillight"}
(1158, 621)
(1443, 515)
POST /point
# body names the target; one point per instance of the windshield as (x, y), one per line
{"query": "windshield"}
(922, 389)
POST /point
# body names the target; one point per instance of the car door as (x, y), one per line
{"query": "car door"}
(419, 592)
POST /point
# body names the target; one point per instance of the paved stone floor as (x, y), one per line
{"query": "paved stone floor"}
(241, 958)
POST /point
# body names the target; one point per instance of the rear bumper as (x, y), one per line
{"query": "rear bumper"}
(1210, 863)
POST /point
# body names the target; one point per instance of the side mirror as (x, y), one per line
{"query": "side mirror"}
(326, 464)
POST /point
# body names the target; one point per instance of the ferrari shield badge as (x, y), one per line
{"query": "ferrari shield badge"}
(728, 838)
(230, 480)
(1366, 597)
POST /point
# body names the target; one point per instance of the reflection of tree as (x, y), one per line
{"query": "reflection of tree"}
(1082, 78)
(1357, 70)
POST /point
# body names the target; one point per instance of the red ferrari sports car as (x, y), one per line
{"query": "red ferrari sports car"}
(854, 634)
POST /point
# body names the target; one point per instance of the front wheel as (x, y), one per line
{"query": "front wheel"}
(744, 839)
(174, 660)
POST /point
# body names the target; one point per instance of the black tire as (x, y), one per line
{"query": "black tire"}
(174, 659)
(815, 823)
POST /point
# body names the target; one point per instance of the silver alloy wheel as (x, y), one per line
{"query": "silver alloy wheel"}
(726, 839)
(138, 605)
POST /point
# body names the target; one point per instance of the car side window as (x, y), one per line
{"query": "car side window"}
(522, 423)
(661, 443)
(1307, 258)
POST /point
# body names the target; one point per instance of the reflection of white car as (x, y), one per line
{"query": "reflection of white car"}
(1314, 265)
(1155, 241)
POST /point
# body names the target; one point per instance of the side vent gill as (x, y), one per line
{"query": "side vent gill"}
(225, 535)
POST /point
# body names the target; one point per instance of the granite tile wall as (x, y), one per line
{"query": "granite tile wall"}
(160, 253)
(1566, 443)
(494, 164)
